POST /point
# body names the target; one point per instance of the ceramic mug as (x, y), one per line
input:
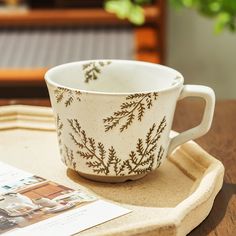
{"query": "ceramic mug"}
(114, 117)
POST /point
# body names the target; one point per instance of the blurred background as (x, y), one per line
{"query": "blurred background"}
(202, 56)
(195, 37)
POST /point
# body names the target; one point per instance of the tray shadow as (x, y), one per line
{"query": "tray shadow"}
(219, 209)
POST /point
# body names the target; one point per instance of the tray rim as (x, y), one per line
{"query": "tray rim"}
(41, 118)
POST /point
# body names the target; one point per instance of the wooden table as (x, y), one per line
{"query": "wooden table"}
(220, 142)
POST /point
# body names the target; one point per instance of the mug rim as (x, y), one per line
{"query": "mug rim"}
(49, 81)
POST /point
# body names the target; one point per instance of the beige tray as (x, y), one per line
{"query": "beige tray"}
(170, 201)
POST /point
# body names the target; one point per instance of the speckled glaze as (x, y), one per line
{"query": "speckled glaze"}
(114, 117)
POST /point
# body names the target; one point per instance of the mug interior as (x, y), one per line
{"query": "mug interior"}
(114, 76)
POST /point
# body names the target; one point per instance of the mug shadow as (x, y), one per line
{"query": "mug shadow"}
(165, 187)
(218, 211)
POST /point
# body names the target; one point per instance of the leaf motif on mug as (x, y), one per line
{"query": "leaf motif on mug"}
(135, 106)
(59, 125)
(101, 159)
(93, 69)
(143, 158)
(66, 95)
(104, 161)
(68, 158)
(66, 154)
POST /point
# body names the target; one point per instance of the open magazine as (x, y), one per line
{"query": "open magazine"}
(32, 205)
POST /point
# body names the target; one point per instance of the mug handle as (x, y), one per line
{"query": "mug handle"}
(209, 96)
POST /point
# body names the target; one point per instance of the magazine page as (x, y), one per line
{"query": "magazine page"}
(32, 205)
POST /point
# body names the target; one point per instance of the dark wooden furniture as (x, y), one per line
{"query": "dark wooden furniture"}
(220, 142)
(148, 40)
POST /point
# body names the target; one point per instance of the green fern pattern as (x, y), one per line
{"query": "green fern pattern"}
(133, 108)
(66, 95)
(93, 69)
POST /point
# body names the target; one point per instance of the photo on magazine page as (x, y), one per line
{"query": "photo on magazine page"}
(34, 199)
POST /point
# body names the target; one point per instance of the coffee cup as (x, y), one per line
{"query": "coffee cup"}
(114, 117)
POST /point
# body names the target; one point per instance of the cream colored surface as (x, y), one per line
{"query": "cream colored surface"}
(170, 201)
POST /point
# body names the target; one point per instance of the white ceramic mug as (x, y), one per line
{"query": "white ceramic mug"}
(114, 117)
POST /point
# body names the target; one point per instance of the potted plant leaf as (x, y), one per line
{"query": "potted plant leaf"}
(223, 11)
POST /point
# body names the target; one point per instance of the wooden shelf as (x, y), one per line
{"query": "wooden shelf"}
(149, 40)
(147, 45)
(69, 17)
(22, 77)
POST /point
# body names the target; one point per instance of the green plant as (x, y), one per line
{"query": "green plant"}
(127, 9)
(223, 11)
